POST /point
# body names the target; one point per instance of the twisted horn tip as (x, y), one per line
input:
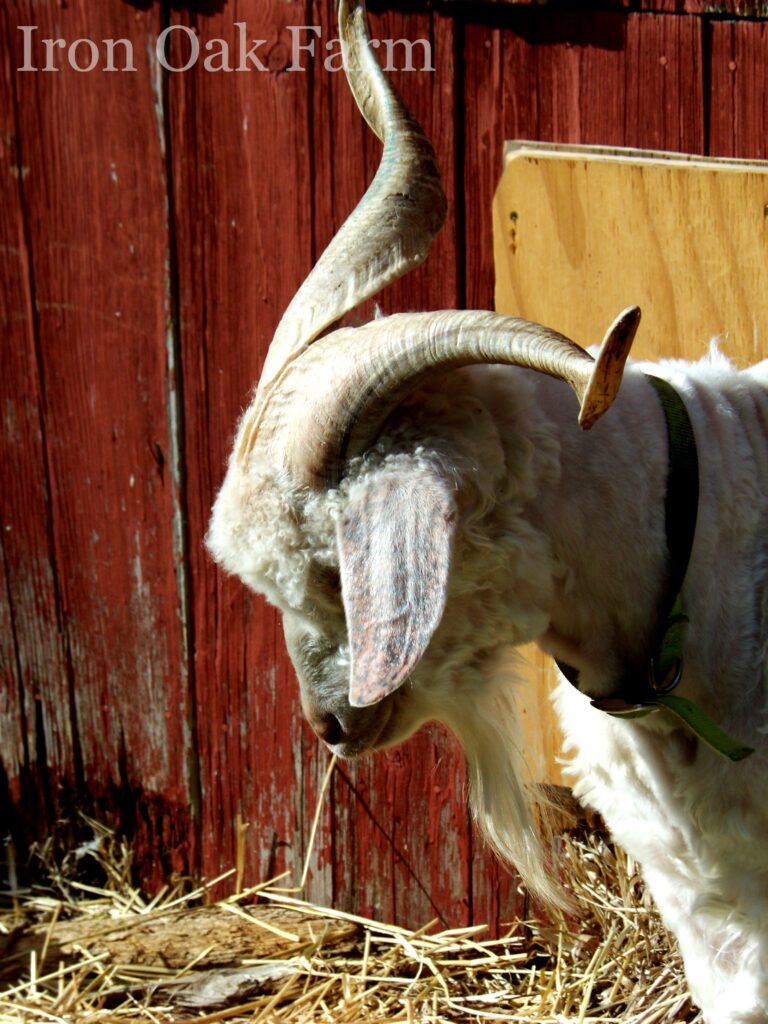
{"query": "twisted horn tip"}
(606, 376)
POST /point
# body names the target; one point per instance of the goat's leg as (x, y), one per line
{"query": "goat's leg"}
(700, 837)
(724, 946)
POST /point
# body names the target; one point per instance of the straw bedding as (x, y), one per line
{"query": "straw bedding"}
(70, 951)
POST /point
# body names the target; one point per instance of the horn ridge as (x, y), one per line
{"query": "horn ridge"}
(390, 231)
(338, 395)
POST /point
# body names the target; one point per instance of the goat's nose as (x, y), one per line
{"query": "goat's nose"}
(327, 727)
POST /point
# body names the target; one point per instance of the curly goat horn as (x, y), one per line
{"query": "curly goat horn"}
(336, 397)
(389, 232)
(321, 400)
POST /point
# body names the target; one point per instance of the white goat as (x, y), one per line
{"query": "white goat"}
(412, 524)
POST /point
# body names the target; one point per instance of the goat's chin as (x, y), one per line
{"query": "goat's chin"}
(500, 791)
(501, 795)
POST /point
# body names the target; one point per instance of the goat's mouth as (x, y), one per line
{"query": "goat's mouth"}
(352, 737)
(396, 724)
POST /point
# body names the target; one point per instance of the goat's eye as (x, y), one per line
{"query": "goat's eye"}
(328, 579)
(334, 581)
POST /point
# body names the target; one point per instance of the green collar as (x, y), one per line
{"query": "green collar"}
(640, 696)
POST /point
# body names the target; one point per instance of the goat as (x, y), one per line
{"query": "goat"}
(415, 508)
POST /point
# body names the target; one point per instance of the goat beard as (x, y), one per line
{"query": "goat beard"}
(509, 807)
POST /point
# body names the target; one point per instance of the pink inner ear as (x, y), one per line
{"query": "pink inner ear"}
(395, 540)
(373, 679)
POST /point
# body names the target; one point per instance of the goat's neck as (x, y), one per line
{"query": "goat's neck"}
(604, 519)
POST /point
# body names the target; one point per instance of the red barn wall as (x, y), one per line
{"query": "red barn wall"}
(153, 226)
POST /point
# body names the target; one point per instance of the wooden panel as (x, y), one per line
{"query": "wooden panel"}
(731, 8)
(240, 152)
(596, 78)
(684, 239)
(400, 830)
(738, 105)
(90, 499)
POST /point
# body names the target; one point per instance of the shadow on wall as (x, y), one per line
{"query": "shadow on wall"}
(538, 26)
(193, 6)
(217, 6)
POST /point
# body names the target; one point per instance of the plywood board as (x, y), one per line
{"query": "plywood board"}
(581, 232)
(602, 77)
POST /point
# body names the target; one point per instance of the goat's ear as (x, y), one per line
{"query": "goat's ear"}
(395, 541)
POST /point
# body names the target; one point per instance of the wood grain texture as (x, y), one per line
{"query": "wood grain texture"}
(35, 686)
(90, 398)
(239, 147)
(136, 682)
(689, 237)
(683, 239)
(391, 815)
(203, 937)
(738, 105)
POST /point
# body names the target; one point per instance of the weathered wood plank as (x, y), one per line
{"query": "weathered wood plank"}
(738, 100)
(203, 937)
(664, 82)
(484, 125)
(240, 150)
(608, 78)
(400, 830)
(746, 9)
(113, 708)
(33, 671)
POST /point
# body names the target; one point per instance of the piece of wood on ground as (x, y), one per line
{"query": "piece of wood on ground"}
(204, 936)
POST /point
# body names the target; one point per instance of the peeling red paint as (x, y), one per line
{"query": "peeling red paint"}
(153, 227)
